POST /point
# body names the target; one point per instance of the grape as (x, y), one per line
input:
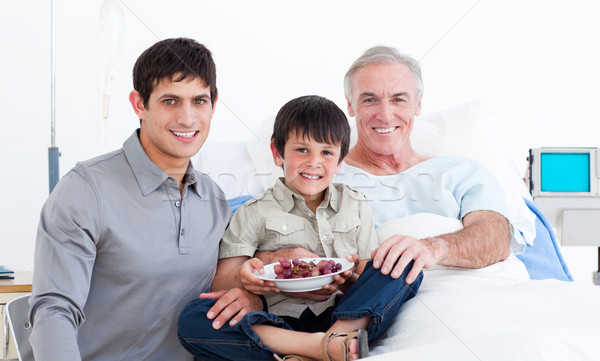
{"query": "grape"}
(301, 269)
(304, 273)
(278, 269)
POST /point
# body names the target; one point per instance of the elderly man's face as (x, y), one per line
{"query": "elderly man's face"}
(384, 103)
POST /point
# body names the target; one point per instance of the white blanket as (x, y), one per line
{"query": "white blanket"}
(494, 313)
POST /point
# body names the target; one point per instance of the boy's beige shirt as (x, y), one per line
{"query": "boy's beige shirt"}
(279, 219)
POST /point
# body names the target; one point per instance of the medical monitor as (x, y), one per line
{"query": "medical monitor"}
(564, 171)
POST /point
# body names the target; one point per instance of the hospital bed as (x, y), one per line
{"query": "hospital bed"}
(524, 308)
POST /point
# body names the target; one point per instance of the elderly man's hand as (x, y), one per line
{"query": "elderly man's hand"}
(404, 249)
(231, 305)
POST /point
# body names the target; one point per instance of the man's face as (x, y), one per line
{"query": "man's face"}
(309, 166)
(176, 121)
(384, 103)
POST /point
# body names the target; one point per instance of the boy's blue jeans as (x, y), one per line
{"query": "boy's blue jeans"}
(374, 295)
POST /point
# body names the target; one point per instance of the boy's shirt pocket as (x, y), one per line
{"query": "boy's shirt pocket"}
(283, 232)
(344, 228)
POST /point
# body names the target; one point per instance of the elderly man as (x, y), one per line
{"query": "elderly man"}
(384, 90)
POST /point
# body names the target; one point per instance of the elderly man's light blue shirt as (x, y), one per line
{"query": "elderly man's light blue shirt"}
(446, 186)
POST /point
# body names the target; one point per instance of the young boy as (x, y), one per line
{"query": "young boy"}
(303, 210)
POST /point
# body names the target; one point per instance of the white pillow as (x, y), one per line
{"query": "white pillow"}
(229, 164)
(467, 131)
(259, 149)
(420, 225)
(461, 131)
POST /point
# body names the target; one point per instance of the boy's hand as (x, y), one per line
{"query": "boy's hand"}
(344, 280)
(341, 282)
(251, 282)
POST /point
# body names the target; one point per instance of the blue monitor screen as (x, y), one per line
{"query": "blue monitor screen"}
(565, 172)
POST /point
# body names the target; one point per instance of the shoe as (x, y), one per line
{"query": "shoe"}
(360, 335)
(289, 357)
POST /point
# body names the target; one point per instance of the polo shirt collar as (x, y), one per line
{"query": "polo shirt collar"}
(148, 175)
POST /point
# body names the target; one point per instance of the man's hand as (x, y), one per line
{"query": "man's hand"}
(291, 253)
(483, 241)
(403, 249)
(231, 305)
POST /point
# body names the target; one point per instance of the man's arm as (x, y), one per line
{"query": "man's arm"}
(64, 259)
(484, 240)
(291, 253)
(227, 275)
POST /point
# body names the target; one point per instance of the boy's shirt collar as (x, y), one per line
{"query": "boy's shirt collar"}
(286, 197)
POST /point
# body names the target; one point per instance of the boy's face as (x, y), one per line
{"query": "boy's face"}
(309, 166)
(176, 122)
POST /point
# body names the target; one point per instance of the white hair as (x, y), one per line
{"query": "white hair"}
(383, 55)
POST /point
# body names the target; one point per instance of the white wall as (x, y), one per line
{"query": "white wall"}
(535, 63)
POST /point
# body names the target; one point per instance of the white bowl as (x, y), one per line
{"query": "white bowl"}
(303, 284)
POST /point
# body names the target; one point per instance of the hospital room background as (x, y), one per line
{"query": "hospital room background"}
(533, 64)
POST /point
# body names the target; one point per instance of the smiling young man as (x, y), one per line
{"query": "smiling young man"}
(128, 238)
(302, 210)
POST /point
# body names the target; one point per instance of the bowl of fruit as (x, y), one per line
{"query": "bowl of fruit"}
(304, 274)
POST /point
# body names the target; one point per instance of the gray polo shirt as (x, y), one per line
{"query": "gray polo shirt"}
(279, 219)
(119, 253)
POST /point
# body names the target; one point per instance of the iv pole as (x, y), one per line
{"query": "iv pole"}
(53, 152)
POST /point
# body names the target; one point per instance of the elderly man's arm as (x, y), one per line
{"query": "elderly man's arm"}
(289, 253)
(484, 240)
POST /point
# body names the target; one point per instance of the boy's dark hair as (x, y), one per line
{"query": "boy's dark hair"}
(174, 59)
(315, 117)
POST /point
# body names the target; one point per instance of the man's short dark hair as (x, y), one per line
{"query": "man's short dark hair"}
(174, 59)
(315, 117)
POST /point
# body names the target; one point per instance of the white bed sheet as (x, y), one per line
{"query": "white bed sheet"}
(494, 313)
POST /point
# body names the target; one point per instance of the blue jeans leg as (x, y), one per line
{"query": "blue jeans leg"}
(377, 296)
(238, 342)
